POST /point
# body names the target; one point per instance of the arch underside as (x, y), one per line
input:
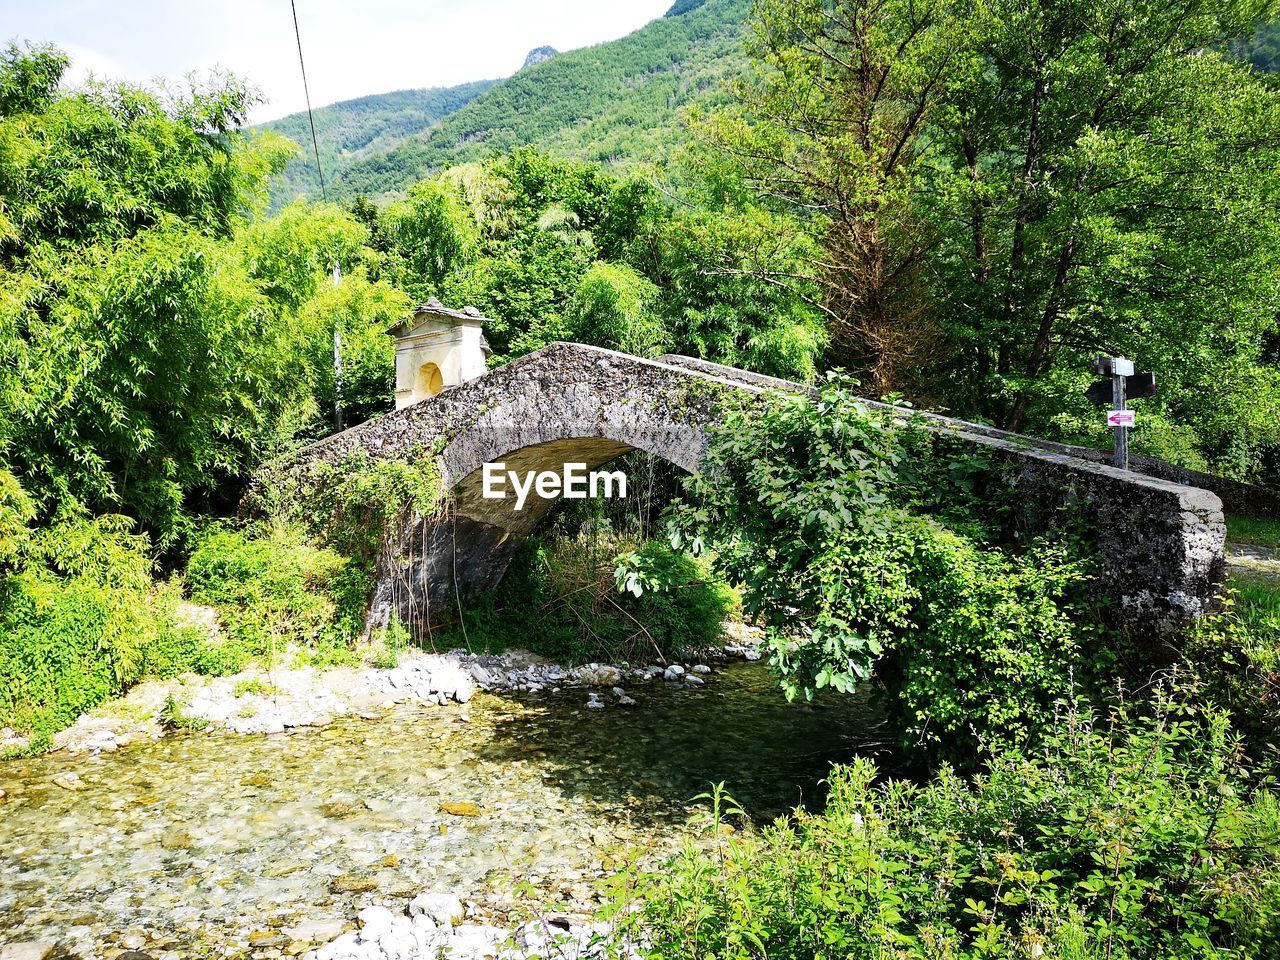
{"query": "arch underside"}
(442, 562)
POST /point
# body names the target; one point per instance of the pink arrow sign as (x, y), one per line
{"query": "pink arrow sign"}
(1120, 418)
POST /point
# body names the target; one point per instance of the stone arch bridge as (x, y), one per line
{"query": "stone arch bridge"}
(1161, 543)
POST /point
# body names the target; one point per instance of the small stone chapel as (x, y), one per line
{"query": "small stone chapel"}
(437, 348)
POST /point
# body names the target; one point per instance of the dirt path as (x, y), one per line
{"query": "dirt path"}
(1254, 563)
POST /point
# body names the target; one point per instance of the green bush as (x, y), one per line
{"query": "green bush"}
(177, 649)
(275, 590)
(1236, 653)
(852, 543)
(1123, 837)
(559, 599)
(57, 657)
(80, 620)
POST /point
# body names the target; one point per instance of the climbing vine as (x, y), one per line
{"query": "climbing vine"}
(835, 519)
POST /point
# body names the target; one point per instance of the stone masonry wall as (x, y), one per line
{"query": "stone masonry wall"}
(1160, 542)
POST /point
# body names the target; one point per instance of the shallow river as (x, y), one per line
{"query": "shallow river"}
(192, 841)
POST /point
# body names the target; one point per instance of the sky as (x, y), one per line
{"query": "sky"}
(352, 47)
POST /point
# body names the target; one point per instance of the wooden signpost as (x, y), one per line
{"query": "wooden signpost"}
(1121, 384)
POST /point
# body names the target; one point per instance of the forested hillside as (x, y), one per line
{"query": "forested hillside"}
(350, 130)
(1263, 48)
(617, 101)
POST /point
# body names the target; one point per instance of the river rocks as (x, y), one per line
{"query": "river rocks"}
(460, 808)
(283, 869)
(449, 678)
(174, 839)
(385, 935)
(374, 920)
(599, 675)
(442, 908)
(315, 931)
(593, 702)
(353, 883)
(267, 938)
(744, 641)
(248, 826)
(474, 940)
(69, 780)
(27, 951)
(337, 809)
(272, 702)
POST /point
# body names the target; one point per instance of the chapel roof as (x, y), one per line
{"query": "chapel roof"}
(434, 309)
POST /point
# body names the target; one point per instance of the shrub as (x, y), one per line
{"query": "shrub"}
(360, 506)
(1236, 653)
(842, 531)
(80, 620)
(274, 590)
(1129, 837)
(559, 599)
(176, 648)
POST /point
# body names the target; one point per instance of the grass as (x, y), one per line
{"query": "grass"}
(1258, 531)
(122, 709)
(1257, 602)
(252, 685)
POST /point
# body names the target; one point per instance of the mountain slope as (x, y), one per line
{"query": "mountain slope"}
(1262, 49)
(614, 102)
(352, 129)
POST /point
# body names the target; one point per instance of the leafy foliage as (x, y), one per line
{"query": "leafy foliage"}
(1075, 179)
(811, 506)
(1125, 836)
(833, 119)
(552, 250)
(275, 592)
(1236, 653)
(143, 362)
(559, 598)
(80, 620)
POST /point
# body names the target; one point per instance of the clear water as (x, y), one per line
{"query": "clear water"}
(193, 841)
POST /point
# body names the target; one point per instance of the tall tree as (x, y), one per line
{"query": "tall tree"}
(834, 124)
(1107, 183)
(141, 360)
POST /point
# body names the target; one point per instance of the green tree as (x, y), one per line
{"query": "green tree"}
(294, 254)
(142, 360)
(1107, 183)
(832, 123)
(615, 307)
(430, 234)
(361, 310)
(1001, 190)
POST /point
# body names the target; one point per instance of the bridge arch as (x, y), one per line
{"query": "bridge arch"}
(564, 404)
(1160, 543)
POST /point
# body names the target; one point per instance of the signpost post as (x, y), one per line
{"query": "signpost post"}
(1119, 371)
(1122, 383)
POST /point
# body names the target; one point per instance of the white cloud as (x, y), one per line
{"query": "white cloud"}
(351, 48)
